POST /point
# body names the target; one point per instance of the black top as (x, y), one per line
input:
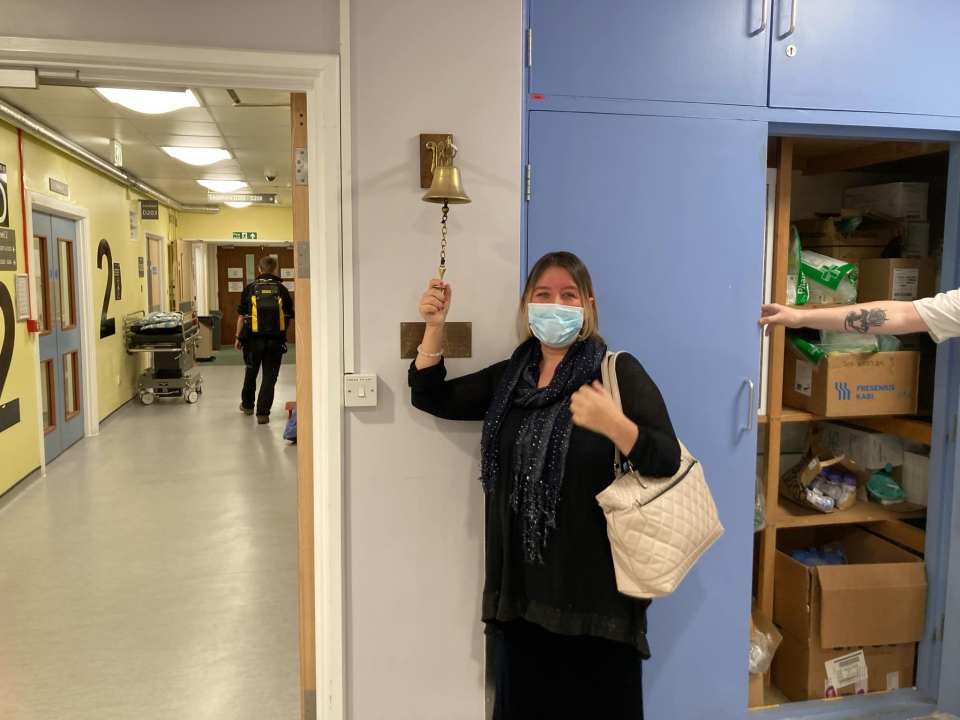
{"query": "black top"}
(574, 592)
(244, 307)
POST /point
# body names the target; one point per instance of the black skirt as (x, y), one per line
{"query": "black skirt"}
(544, 676)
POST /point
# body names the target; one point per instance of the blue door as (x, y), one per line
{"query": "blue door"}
(55, 252)
(866, 55)
(712, 51)
(668, 214)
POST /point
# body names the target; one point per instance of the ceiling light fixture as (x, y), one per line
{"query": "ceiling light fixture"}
(223, 186)
(238, 205)
(197, 155)
(150, 102)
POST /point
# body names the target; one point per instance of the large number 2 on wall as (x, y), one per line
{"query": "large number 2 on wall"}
(108, 326)
(9, 412)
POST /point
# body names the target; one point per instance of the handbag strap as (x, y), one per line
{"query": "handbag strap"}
(608, 376)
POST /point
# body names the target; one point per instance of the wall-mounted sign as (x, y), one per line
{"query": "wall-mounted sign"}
(4, 206)
(8, 249)
(140, 266)
(235, 273)
(235, 286)
(287, 273)
(289, 285)
(22, 292)
(256, 198)
(117, 153)
(149, 210)
(58, 186)
(237, 235)
(117, 287)
(134, 224)
(10, 410)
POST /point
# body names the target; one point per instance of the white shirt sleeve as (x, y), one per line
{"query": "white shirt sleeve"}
(941, 313)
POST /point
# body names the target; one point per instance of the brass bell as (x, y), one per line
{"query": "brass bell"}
(446, 189)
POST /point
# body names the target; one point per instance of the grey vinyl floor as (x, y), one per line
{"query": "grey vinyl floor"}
(152, 574)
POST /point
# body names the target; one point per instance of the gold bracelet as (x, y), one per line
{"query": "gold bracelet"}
(420, 351)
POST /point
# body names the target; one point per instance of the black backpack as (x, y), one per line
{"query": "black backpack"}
(266, 308)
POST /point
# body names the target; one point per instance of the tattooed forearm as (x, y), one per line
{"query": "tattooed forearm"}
(862, 320)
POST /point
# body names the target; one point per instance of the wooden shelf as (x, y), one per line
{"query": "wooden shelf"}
(909, 428)
(791, 515)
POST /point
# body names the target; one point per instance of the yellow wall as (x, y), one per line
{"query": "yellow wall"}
(19, 444)
(270, 224)
(108, 204)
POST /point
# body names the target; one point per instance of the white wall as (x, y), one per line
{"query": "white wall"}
(414, 505)
(282, 25)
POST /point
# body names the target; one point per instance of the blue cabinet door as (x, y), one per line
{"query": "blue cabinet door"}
(668, 215)
(866, 55)
(712, 51)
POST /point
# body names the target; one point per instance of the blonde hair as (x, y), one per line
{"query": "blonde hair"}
(581, 277)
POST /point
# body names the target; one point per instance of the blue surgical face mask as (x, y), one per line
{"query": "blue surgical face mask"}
(555, 325)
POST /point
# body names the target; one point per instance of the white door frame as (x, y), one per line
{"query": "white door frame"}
(41, 202)
(318, 77)
(162, 276)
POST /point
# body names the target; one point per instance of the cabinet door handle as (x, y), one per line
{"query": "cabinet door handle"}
(751, 405)
(764, 17)
(793, 19)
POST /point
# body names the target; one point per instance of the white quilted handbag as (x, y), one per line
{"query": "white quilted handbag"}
(658, 527)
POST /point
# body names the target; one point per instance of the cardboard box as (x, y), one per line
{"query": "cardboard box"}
(896, 279)
(916, 240)
(799, 669)
(903, 200)
(852, 384)
(878, 598)
(869, 449)
(821, 234)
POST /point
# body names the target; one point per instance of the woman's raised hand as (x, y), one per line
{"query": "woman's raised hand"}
(435, 303)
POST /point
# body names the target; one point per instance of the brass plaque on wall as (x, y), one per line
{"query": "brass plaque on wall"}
(457, 339)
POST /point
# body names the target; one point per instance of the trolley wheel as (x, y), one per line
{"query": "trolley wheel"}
(192, 396)
(147, 397)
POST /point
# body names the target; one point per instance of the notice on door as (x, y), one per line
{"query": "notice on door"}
(289, 285)
(234, 286)
(235, 273)
(8, 249)
(287, 273)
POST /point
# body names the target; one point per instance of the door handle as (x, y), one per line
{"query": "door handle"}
(793, 19)
(751, 405)
(764, 17)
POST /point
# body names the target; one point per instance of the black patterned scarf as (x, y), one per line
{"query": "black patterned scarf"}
(540, 448)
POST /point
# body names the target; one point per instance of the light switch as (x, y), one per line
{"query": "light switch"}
(360, 390)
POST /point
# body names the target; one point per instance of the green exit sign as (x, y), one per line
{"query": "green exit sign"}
(244, 235)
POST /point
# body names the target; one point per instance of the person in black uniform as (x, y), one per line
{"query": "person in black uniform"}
(266, 311)
(569, 646)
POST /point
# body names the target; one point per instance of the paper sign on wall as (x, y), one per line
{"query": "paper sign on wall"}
(287, 273)
(8, 249)
(22, 292)
(235, 286)
(235, 273)
(117, 287)
(289, 284)
(134, 224)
